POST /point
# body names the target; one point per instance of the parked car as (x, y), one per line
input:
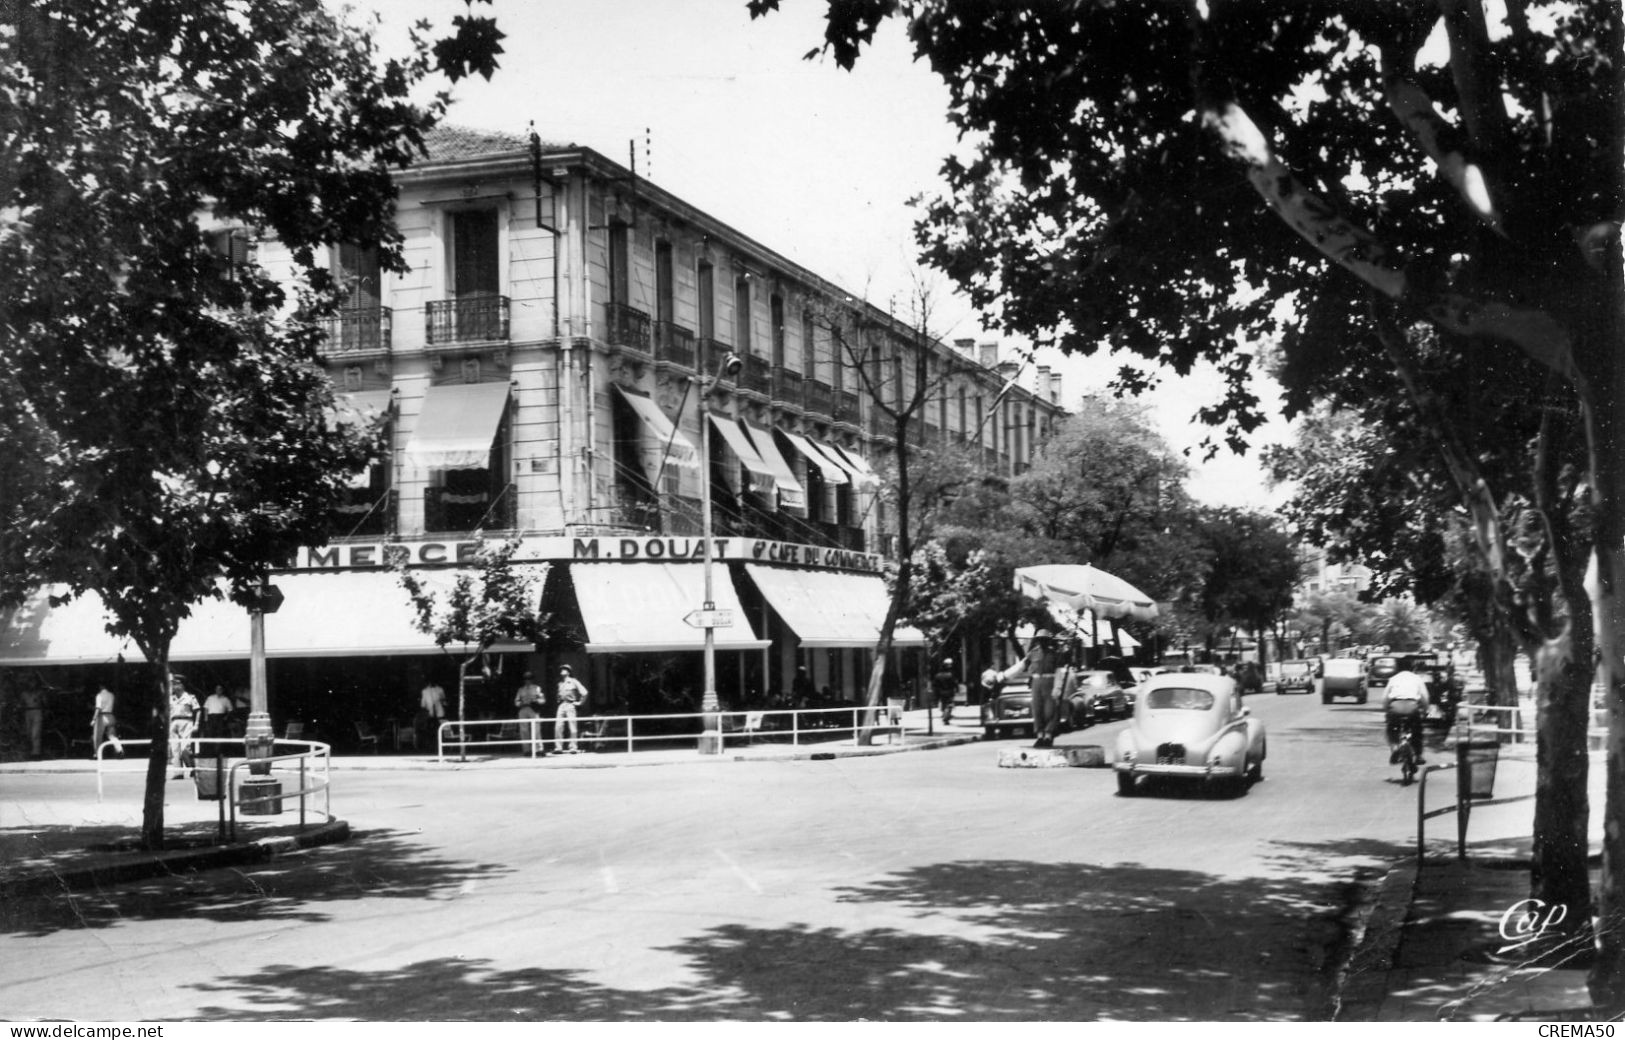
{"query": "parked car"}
(1296, 677)
(1343, 677)
(1191, 726)
(1107, 698)
(1009, 712)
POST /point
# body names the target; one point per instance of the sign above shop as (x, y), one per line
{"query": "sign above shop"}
(641, 549)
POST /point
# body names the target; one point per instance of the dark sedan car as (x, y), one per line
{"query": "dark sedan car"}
(1105, 697)
(1010, 711)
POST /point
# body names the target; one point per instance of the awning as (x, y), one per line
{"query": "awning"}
(857, 477)
(832, 472)
(640, 607)
(791, 494)
(348, 614)
(857, 464)
(763, 478)
(662, 442)
(830, 608)
(457, 426)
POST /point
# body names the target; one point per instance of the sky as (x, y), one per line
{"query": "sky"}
(812, 161)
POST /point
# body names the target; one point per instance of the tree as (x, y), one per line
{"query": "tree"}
(1339, 161)
(1252, 571)
(492, 602)
(163, 385)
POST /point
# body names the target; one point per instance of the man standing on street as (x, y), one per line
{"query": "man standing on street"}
(572, 695)
(1039, 668)
(432, 710)
(102, 726)
(183, 711)
(530, 700)
(943, 687)
(33, 701)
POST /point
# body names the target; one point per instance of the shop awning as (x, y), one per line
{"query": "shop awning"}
(830, 608)
(864, 474)
(349, 614)
(855, 475)
(791, 494)
(662, 442)
(457, 426)
(831, 470)
(640, 607)
(763, 479)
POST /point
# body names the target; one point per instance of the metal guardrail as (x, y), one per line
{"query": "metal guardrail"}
(740, 727)
(313, 764)
(1512, 726)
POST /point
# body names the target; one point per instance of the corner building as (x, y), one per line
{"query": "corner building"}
(539, 373)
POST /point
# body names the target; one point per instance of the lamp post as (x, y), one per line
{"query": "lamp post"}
(711, 723)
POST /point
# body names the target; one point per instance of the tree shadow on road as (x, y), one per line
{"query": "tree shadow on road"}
(372, 864)
(985, 940)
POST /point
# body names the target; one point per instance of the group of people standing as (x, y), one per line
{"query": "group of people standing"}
(570, 698)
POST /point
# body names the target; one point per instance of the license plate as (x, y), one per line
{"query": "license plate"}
(1170, 760)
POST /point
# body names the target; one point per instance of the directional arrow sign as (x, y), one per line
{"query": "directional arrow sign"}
(710, 618)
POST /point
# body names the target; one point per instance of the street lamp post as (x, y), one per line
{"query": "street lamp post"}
(711, 723)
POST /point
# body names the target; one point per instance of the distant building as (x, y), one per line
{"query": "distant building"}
(538, 373)
(1321, 575)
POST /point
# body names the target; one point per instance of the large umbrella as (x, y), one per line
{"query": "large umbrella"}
(1083, 587)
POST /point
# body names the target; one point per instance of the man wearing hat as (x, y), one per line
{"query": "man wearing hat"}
(530, 700)
(1039, 666)
(572, 695)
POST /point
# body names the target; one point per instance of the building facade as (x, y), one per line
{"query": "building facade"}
(555, 367)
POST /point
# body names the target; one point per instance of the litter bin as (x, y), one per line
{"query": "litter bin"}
(1475, 768)
(210, 775)
(260, 787)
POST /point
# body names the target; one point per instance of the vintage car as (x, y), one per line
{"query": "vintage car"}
(1296, 677)
(1009, 711)
(1343, 677)
(1194, 727)
(1106, 697)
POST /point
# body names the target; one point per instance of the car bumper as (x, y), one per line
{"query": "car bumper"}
(1165, 769)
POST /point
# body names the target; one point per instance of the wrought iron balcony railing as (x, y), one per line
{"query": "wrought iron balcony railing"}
(820, 399)
(467, 320)
(674, 343)
(787, 387)
(628, 327)
(445, 510)
(846, 408)
(757, 375)
(359, 331)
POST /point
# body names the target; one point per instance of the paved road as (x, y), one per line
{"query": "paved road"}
(922, 886)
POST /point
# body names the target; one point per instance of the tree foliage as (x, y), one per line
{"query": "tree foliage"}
(171, 428)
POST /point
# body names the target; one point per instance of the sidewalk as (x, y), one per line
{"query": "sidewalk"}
(1429, 941)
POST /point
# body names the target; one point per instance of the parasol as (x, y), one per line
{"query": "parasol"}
(1083, 587)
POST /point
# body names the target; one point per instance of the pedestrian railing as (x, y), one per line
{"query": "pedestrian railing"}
(1515, 724)
(794, 726)
(215, 764)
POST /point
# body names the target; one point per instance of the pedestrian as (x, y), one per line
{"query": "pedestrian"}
(943, 686)
(802, 693)
(33, 701)
(572, 697)
(217, 718)
(1039, 667)
(103, 727)
(431, 709)
(531, 702)
(183, 712)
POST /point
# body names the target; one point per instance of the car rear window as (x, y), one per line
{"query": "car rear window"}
(1179, 698)
(1295, 668)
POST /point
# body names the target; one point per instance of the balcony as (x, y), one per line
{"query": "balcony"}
(478, 319)
(674, 345)
(846, 408)
(710, 352)
(446, 510)
(820, 399)
(628, 327)
(364, 512)
(787, 387)
(757, 376)
(361, 331)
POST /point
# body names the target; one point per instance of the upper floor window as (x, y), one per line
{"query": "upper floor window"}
(809, 357)
(474, 261)
(742, 314)
(776, 310)
(665, 287)
(620, 264)
(708, 301)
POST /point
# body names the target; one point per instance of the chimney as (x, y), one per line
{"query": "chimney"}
(990, 355)
(966, 347)
(1055, 387)
(1043, 382)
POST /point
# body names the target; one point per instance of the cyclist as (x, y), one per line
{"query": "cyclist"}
(1404, 704)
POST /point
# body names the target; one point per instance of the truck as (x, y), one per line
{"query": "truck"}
(1343, 677)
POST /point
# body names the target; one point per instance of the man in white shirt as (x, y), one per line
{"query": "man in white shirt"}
(1404, 705)
(102, 726)
(531, 701)
(572, 695)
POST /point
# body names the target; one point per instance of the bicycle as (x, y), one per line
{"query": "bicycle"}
(1407, 764)
(1408, 754)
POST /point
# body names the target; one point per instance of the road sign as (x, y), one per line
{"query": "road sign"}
(710, 618)
(267, 598)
